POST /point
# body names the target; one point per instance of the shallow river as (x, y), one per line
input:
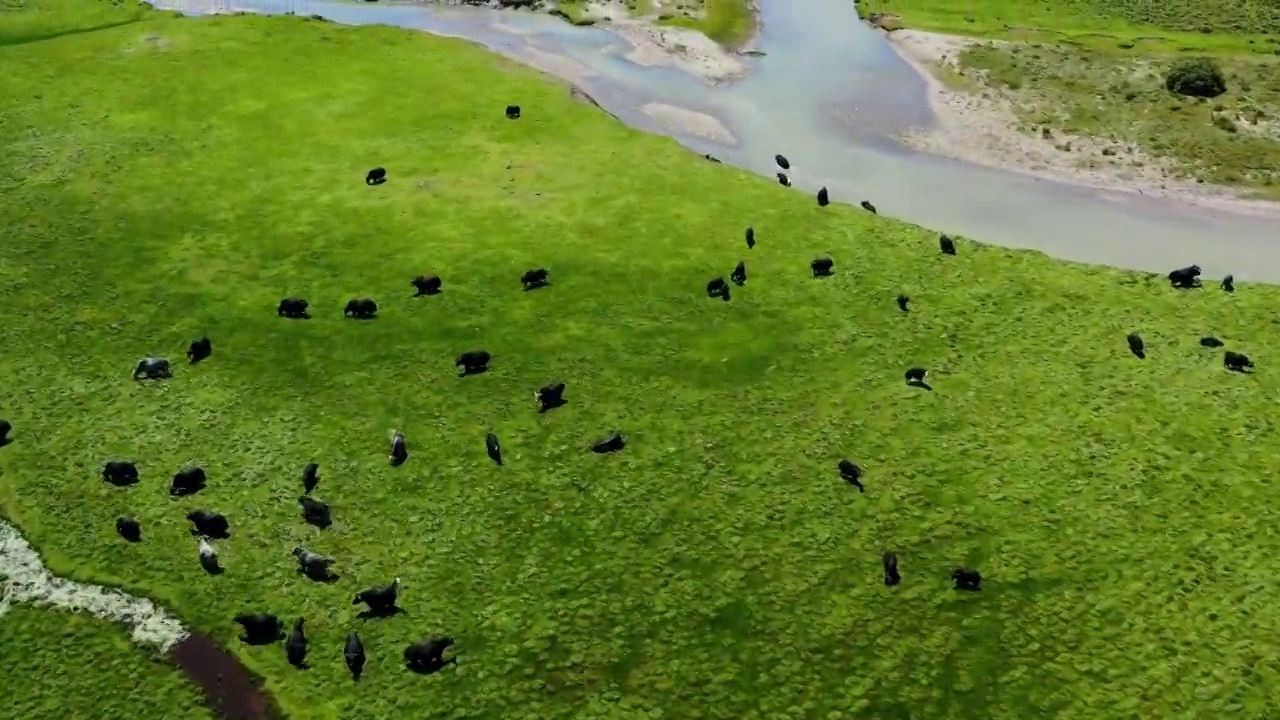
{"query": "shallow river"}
(828, 93)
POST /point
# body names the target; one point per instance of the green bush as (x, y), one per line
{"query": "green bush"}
(1197, 77)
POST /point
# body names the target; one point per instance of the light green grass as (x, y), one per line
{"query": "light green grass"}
(1219, 25)
(177, 176)
(1097, 69)
(59, 665)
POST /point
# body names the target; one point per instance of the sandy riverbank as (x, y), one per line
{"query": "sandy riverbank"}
(653, 44)
(981, 127)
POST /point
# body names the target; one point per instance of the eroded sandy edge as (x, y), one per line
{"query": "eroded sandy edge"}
(26, 580)
(983, 130)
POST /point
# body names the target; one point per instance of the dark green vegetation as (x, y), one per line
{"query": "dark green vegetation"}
(1196, 77)
(178, 176)
(1100, 69)
(59, 665)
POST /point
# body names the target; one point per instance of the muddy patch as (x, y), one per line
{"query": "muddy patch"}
(230, 690)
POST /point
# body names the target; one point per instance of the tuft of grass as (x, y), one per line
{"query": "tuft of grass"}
(176, 176)
(60, 665)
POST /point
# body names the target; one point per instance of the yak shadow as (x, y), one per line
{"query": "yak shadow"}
(1140, 354)
(420, 293)
(553, 404)
(823, 273)
(262, 639)
(474, 371)
(9, 441)
(374, 182)
(322, 523)
(398, 461)
(224, 535)
(381, 613)
(430, 668)
(329, 579)
(1241, 370)
(921, 384)
(537, 285)
(117, 482)
(216, 570)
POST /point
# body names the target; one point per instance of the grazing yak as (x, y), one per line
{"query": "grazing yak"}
(1185, 278)
(1136, 346)
(208, 557)
(1210, 341)
(120, 473)
(473, 362)
(376, 176)
(5, 428)
(209, 524)
(739, 274)
(866, 205)
(513, 112)
(381, 600)
(426, 285)
(613, 443)
(751, 237)
(1237, 362)
(1229, 283)
(902, 301)
(492, 448)
(313, 565)
(187, 481)
(966, 579)
(315, 512)
(152, 368)
(916, 375)
(711, 157)
(353, 653)
(293, 308)
(823, 198)
(783, 180)
(782, 162)
(361, 309)
(428, 656)
(821, 267)
(199, 350)
(399, 450)
(718, 288)
(310, 478)
(550, 396)
(295, 646)
(129, 529)
(260, 628)
(535, 278)
(946, 245)
(851, 474)
(891, 576)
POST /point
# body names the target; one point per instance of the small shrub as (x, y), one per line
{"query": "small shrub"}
(1196, 77)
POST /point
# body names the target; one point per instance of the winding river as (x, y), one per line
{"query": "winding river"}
(828, 93)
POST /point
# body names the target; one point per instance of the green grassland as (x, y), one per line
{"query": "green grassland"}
(59, 665)
(177, 176)
(1097, 69)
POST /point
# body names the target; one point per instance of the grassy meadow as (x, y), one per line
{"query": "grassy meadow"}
(60, 665)
(1097, 69)
(164, 177)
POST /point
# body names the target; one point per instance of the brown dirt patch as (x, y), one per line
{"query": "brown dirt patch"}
(230, 689)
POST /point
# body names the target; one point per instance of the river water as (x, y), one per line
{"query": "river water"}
(829, 93)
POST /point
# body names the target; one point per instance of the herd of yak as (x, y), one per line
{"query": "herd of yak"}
(428, 656)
